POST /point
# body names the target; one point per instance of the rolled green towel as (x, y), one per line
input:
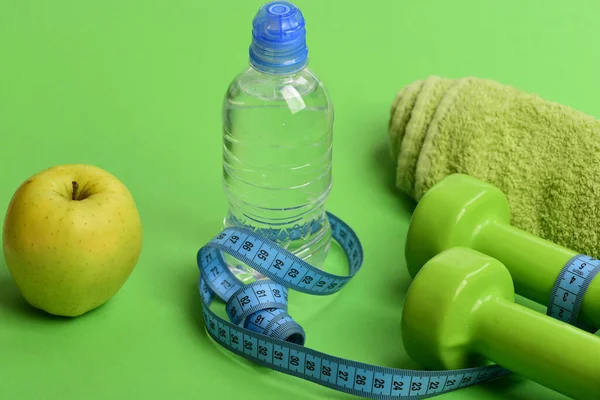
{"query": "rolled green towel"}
(543, 155)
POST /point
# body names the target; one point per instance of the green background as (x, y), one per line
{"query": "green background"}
(136, 87)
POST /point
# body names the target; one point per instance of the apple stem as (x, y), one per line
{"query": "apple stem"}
(75, 189)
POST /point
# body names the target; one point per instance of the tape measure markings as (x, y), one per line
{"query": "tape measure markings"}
(570, 288)
(255, 297)
(340, 374)
(241, 300)
(262, 331)
(282, 266)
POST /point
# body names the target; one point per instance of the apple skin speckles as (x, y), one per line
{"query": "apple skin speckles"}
(39, 230)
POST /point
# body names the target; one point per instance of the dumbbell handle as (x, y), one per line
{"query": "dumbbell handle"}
(541, 348)
(534, 264)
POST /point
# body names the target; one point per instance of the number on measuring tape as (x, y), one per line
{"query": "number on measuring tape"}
(261, 330)
(570, 288)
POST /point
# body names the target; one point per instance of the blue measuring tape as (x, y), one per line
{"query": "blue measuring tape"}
(261, 330)
(570, 287)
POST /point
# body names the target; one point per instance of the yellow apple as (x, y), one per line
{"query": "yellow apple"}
(72, 236)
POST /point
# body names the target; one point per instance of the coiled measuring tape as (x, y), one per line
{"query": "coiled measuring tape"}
(261, 330)
(570, 287)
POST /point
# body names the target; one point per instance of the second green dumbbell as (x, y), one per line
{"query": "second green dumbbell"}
(460, 313)
(463, 211)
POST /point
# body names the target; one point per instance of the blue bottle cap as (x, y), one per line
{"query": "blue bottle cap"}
(278, 39)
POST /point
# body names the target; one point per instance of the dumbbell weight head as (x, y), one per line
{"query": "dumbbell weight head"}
(449, 215)
(436, 330)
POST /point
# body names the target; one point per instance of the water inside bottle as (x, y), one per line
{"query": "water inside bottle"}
(277, 143)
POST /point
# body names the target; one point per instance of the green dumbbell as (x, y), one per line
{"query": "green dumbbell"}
(460, 312)
(463, 211)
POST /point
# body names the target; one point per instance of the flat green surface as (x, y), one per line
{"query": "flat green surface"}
(136, 88)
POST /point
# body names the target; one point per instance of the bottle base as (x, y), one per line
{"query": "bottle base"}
(310, 242)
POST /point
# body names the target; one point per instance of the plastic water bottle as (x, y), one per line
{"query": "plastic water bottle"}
(277, 142)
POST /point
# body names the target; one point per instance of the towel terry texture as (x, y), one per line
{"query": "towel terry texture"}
(543, 155)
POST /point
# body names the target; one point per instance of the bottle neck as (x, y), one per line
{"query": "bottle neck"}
(277, 74)
(271, 86)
